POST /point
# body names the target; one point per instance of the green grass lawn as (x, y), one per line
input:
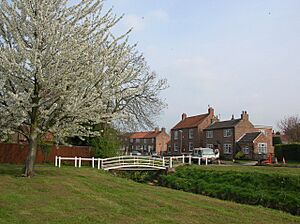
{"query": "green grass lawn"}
(86, 195)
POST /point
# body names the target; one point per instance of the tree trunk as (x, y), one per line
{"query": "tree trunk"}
(30, 160)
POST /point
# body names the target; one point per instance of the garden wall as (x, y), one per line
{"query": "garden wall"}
(16, 153)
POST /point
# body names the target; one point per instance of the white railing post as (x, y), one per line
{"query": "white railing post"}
(206, 161)
(59, 161)
(93, 162)
(171, 165)
(163, 161)
(75, 161)
(183, 158)
(199, 161)
(101, 164)
(190, 159)
(98, 163)
(79, 165)
(55, 162)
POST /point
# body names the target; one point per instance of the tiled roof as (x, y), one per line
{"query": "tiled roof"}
(148, 134)
(223, 124)
(191, 122)
(249, 137)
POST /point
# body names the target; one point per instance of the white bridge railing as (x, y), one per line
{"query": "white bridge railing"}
(131, 162)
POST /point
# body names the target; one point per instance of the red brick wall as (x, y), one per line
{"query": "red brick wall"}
(16, 154)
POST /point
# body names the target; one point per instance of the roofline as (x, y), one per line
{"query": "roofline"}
(206, 114)
(248, 133)
(263, 126)
(257, 136)
(232, 126)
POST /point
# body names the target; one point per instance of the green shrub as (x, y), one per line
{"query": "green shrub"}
(239, 155)
(288, 151)
(269, 190)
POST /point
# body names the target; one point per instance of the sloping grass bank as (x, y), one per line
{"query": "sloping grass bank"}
(86, 195)
(248, 185)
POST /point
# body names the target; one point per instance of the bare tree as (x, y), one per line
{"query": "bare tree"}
(290, 126)
(61, 68)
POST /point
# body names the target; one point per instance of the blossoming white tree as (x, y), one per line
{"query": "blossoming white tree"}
(61, 68)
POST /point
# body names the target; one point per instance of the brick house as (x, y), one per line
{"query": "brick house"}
(235, 135)
(188, 133)
(146, 142)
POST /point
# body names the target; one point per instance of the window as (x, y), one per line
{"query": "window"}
(209, 134)
(246, 150)
(191, 146)
(145, 141)
(152, 140)
(137, 140)
(227, 149)
(175, 134)
(211, 146)
(227, 132)
(191, 133)
(175, 147)
(262, 148)
(131, 140)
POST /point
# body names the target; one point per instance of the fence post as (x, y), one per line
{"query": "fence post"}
(163, 161)
(55, 162)
(183, 158)
(75, 161)
(199, 161)
(190, 159)
(59, 161)
(98, 163)
(79, 165)
(93, 162)
(101, 163)
(206, 161)
(171, 165)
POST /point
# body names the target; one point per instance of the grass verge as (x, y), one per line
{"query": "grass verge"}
(86, 195)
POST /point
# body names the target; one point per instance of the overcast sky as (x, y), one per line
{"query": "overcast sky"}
(233, 55)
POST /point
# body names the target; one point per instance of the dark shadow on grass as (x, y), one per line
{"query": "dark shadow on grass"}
(11, 170)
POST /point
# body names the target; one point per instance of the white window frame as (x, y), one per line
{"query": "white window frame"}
(175, 134)
(176, 147)
(191, 146)
(211, 146)
(191, 133)
(227, 148)
(227, 132)
(145, 140)
(262, 148)
(152, 140)
(137, 140)
(209, 134)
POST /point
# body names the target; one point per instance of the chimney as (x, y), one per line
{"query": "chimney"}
(183, 116)
(244, 115)
(211, 111)
(156, 130)
(232, 117)
(163, 130)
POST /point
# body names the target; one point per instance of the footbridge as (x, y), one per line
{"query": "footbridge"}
(128, 162)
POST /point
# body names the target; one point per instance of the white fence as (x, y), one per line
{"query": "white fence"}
(131, 162)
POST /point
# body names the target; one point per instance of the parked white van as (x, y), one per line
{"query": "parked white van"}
(210, 154)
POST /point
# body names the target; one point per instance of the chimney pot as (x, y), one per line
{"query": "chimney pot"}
(211, 111)
(156, 130)
(163, 130)
(183, 116)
